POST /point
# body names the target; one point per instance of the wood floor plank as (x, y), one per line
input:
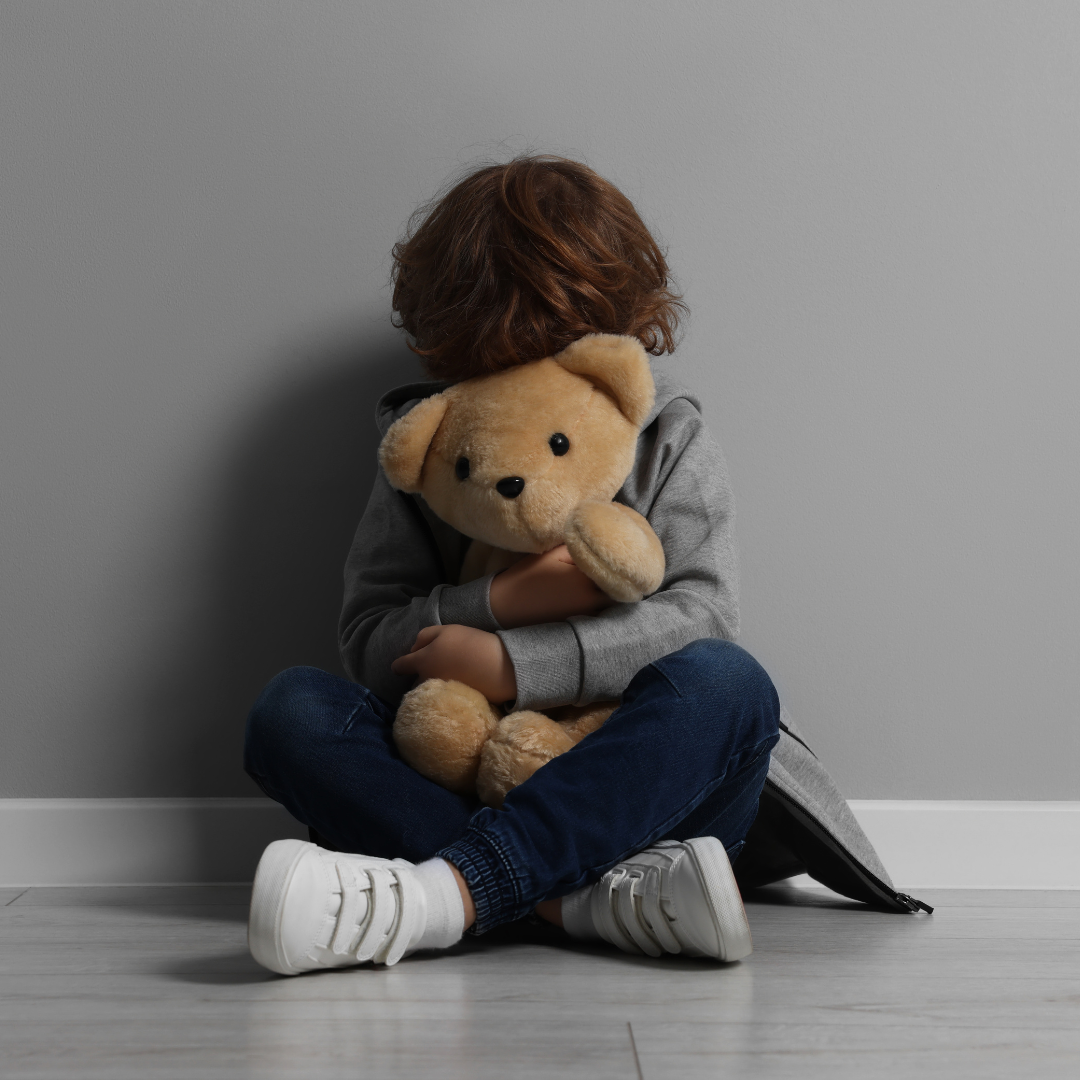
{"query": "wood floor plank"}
(337, 1047)
(701, 1051)
(158, 983)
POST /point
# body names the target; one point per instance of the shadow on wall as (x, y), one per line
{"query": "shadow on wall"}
(291, 497)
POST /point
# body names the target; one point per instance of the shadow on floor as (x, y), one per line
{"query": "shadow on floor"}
(505, 943)
(789, 896)
(228, 969)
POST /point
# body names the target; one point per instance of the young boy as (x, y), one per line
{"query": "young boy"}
(629, 836)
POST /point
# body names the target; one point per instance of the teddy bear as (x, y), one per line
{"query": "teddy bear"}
(521, 461)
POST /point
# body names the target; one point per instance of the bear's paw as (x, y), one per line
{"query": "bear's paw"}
(616, 548)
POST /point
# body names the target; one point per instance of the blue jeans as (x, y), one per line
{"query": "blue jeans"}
(685, 754)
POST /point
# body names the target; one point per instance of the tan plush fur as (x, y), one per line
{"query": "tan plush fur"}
(404, 446)
(448, 751)
(597, 392)
(616, 547)
(581, 720)
(523, 741)
(518, 746)
(482, 559)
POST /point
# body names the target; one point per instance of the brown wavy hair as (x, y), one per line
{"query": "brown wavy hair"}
(518, 260)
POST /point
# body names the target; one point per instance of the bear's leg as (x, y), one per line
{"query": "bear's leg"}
(440, 729)
(581, 720)
(519, 745)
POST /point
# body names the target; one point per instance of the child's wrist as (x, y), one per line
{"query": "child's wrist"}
(503, 601)
(504, 684)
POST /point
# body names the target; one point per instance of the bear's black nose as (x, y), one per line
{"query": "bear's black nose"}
(510, 487)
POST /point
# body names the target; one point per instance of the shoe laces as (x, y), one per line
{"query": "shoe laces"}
(383, 933)
(631, 907)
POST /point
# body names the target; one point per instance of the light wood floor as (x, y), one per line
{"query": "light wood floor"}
(157, 982)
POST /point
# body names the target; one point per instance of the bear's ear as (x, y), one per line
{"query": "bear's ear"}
(405, 445)
(621, 367)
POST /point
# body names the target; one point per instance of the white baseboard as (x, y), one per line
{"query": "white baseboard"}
(960, 844)
(975, 845)
(924, 845)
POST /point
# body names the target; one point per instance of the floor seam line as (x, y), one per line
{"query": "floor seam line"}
(633, 1048)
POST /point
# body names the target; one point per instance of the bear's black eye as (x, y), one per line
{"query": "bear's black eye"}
(559, 444)
(462, 468)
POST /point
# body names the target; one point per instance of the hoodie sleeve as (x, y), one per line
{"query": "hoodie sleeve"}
(680, 485)
(395, 585)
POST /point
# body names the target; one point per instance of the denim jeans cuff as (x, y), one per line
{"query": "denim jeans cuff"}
(490, 878)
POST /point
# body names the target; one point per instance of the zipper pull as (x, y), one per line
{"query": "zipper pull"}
(912, 904)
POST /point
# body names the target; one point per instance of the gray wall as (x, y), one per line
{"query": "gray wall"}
(872, 209)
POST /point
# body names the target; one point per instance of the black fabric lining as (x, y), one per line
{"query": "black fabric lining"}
(786, 840)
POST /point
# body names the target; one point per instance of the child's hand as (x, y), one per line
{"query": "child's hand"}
(471, 656)
(544, 588)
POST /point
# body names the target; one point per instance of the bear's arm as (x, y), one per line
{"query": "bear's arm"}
(396, 579)
(680, 484)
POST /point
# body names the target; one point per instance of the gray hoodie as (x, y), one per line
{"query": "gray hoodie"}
(403, 562)
(398, 580)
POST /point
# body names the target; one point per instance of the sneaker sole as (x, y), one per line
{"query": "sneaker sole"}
(272, 879)
(725, 900)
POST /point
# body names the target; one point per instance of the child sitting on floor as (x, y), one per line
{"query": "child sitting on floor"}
(629, 836)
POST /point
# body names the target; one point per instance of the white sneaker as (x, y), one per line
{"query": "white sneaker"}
(675, 897)
(312, 908)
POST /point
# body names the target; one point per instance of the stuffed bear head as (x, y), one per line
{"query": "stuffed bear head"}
(507, 458)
